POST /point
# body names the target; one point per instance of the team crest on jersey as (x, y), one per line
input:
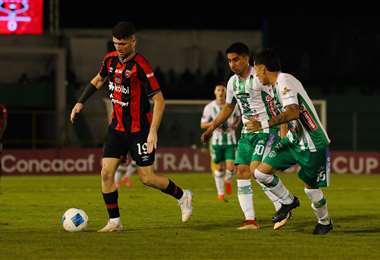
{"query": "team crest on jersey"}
(285, 91)
(128, 73)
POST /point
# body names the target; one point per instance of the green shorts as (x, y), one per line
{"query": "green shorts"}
(315, 166)
(253, 146)
(221, 153)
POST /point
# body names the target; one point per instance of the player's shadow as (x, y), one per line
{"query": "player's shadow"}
(344, 224)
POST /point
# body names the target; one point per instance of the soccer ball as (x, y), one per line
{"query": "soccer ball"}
(74, 220)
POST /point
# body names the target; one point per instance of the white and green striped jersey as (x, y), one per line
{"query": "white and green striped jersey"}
(254, 99)
(224, 134)
(306, 132)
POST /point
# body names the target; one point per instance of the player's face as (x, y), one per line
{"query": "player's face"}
(261, 73)
(238, 63)
(124, 47)
(220, 92)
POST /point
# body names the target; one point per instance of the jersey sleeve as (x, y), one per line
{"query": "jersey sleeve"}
(230, 97)
(146, 75)
(288, 92)
(103, 72)
(206, 116)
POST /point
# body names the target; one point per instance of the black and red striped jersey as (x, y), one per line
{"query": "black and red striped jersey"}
(130, 85)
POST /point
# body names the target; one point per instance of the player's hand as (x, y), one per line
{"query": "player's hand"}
(152, 140)
(207, 134)
(252, 125)
(76, 109)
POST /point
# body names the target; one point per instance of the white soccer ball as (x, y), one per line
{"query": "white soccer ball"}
(74, 220)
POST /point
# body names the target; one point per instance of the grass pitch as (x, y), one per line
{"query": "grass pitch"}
(31, 210)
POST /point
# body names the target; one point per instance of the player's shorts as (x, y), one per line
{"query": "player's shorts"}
(252, 147)
(119, 143)
(315, 166)
(221, 153)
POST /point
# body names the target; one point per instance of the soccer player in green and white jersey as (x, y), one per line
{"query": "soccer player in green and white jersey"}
(254, 100)
(223, 141)
(306, 142)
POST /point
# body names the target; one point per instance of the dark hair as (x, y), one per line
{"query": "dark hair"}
(238, 48)
(123, 30)
(269, 58)
(220, 83)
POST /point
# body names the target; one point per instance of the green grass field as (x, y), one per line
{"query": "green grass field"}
(31, 209)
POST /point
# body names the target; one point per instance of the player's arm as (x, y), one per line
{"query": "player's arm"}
(158, 110)
(283, 130)
(290, 113)
(96, 83)
(206, 119)
(223, 115)
(206, 125)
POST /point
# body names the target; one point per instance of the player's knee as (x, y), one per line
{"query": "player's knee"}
(107, 175)
(263, 177)
(243, 173)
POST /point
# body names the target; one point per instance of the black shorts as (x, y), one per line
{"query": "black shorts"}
(119, 144)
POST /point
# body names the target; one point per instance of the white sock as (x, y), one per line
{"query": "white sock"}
(119, 173)
(319, 205)
(115, 220)
(271, 196)
(229, 175)
(276, 186)
(130, 169)
(245, 196)
(219, 182)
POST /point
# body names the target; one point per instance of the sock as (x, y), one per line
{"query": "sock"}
(219, 182)
(275, 185)
(319, 205)
(173, 190)
(119, 173)
(132, 167)
(229, 175)
(245, 196)
(111, 203)
(271, 196)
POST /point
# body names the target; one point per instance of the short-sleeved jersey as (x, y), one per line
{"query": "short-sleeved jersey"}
(224, 134)
(306, 132)
(254, 99)
(130, 85)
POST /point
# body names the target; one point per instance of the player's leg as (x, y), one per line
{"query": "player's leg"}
(121, 169)
(315, 173)
(114, 148)
(219, 181)
(216, 152)
(144, 161)
(244, 185)
(131, 168)
(230, 153)
(278, 158)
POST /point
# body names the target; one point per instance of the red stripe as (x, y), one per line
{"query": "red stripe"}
(118, 109)
(112, 206)
(144, 64)
(149, 116)
(135, 103)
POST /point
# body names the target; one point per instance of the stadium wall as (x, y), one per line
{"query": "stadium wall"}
(168, 160)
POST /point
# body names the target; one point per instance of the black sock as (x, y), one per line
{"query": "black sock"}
(173, 190)
(111, 203)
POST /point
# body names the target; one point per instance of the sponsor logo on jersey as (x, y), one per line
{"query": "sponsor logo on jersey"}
(285, 91)
(271, 105)
(308, 119)
(150, 75)
(118, 88)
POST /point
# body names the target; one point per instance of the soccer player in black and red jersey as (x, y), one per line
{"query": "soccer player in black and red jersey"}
(133, 129)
